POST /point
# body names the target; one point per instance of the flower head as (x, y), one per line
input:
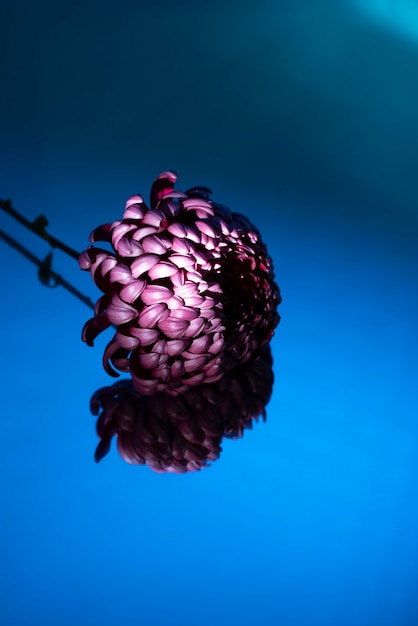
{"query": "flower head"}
(183, 433)
(189, 287)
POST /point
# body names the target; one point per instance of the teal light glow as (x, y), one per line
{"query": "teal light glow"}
(398, 16)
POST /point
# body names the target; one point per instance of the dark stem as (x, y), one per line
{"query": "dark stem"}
(45, 273)
(38, 227)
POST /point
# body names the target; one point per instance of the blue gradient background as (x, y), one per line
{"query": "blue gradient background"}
(302, 114)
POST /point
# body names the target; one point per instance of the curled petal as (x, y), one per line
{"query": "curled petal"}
(206, 228)
(208, 303)
(128, 248)
(143, 264)
(177, 369)
(135, 208)
(175, 303)
(187, 290)
(183, 261)
(183, 312)
(163, 269)
(162, 186)
(142, 233)
(191, 431)
(194, 204)
(155, 245)
(112, 347)
(196, 326)
(193, 234)
(200, 345)
(177, 346)
(150, 360)
(153, 218)
(193, 381)
(131, 292)
(144, 386)
(173, 328)
(155, 293)
(127, 341)
(102, 304)
(195, 301)
(102, 233)
(84, 260)
(120, 231)
(182, 246)
(121, 274)
(119, 312)
(153, 314)
(218, 344)
(195, 364)
(94, 327)
(178, 230)
(162, 374)
(145, 336)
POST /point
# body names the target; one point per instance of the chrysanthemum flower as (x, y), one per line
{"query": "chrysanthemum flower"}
(183, 433)
(189, 287)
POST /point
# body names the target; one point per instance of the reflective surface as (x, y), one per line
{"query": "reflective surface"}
(183, 432)
(303, 118)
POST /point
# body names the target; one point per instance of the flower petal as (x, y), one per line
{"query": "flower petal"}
(186, 290)
(200, 345)
(119, 312)
(94, 327)
(149, 361)
(197, 203)
(112, 347)
(128, 248)
(144, 231)
(206, 228)
(196, 364)
(177, 346)
(218, 344)
(173, 328)
(135, 208)
(127, 341)
(155, 293)
(120, 231)
(131, 292)
(162, 186)
(155, 244)
(151, 315)
(195, 328)
(146, 336)
(102, 233)
(191, 431)
(177, 230)
(120, 274)
(153, 218)
(183, 260)
(184, 313)
(163, 269)
(143, 263)
(182, 246)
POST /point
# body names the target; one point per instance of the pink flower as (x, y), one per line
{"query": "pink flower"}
(189, 287)
(183, 433)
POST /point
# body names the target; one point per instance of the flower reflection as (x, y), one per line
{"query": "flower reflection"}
(189, 287)
(182, 433)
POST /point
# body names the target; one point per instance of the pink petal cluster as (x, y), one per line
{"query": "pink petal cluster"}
(182, 433)
(188, 286)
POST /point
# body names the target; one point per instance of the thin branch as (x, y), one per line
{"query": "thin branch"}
(45, 273)
(38, 227)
